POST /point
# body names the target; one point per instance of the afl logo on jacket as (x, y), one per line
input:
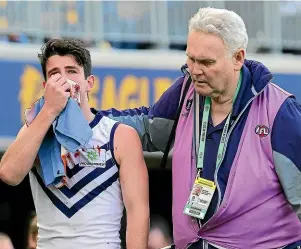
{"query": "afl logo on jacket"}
(262, 130)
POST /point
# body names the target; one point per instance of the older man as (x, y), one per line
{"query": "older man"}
(238, 138)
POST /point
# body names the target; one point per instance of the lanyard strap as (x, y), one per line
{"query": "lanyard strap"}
(222, 144)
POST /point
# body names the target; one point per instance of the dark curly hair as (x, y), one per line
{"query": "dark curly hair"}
(62, 47)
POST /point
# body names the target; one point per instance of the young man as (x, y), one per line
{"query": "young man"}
(86, 211)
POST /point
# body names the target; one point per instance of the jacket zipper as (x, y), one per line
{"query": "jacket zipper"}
(216, 170)
(227, 139)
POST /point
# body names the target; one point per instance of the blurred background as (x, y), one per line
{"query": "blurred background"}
(137, 49)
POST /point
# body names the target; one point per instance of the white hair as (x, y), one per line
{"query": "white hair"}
(226, 24)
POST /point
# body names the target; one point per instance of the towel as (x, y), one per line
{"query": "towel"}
(70, 130)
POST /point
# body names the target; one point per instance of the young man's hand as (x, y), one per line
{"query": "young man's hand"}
(56, 94)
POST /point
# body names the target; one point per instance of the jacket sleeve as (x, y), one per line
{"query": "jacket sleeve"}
(286, 145)
(153, 123)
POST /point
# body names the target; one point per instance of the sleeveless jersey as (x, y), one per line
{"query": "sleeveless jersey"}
(86, 212)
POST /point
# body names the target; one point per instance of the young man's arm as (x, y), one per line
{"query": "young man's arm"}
(19, 157)
(134, 185)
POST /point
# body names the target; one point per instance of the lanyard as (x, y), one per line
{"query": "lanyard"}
(222, 144)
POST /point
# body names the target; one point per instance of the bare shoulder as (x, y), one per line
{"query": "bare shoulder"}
(124, 132)
(126, 140)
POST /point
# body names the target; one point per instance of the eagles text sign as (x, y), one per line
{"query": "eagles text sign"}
(119, 87)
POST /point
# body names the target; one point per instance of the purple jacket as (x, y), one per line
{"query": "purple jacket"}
(276, 144)
(253, 192)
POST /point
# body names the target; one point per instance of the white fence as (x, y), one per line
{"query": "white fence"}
(271, 24)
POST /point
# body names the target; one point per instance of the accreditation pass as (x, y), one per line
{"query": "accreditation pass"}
(199, 198)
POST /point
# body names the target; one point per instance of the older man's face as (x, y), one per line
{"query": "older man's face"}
(209, 63)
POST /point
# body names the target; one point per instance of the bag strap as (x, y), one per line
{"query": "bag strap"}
(173, 130)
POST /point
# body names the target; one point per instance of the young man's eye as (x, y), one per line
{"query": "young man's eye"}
(52, 74)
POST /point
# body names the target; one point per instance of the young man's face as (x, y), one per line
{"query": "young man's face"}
(68, 68)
